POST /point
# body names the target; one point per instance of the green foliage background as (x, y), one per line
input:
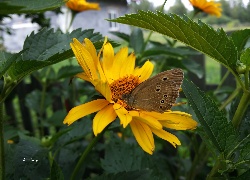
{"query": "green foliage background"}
(219, 148)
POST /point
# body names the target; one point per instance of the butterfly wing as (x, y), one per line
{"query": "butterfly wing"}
(158, 93)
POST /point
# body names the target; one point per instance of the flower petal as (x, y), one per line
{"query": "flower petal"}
(82, 5)
(128, 65)
(123, 114)
(83, 76)
(84, 109)
(179, 120)
(166, 136)
(103, 118)
(103, 88)
(145, 118)
(145, 71)
(108, 58)
(84, 59)
(118, 64)
(143, 136)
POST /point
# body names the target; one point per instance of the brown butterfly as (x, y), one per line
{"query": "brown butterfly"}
(158, 93)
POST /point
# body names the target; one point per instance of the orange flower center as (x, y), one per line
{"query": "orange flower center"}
(123, 86)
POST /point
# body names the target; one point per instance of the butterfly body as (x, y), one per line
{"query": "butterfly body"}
(158, 93)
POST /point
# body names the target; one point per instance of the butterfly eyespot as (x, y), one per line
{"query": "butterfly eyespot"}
(165, 78)
(165, 96)
(161, 107)
(158, 90)
(162, 101)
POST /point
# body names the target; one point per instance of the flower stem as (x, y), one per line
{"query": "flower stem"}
(151, 32)
(85, 153)
(241, 109)
(2, 159)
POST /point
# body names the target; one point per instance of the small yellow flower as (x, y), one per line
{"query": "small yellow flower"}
(9, 141)
(114, 75)
(82, 5)
(209, 7)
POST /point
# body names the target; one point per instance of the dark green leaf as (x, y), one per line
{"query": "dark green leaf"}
(136, 40)
(199, 36)
(163, 50)
(245, 57)
(30, 160)
(244, 147)
(121, 35)
(243, 176)
(6, 60)
(28, 6)
(56, 172)
(46, 48)
(68, 71)
(57, 118)
(33, 100)
(135, 175)
(213, 121)
(120, 157)
(193, 67)
(240, 38)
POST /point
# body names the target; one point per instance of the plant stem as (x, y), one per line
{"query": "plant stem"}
(214, 171)
(85, 153)
(222, 80)
(198, 161)
(241, 109)
(151, 32)
(2, 159)
(230, 98)
(247, 78)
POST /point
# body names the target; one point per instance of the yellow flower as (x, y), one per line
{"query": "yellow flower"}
(114, 75)
(82, 5)
(209, 7)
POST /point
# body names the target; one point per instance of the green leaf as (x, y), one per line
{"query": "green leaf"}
(245, 57)
(136, 40)
(56, 172)
(68, 71)
(120, 157)
(199, 36)
(6, 60)
(213, 121)
(244, 147)
(46, 48)
(28, 6)
(121, 35)
(243, 176)
(135, 175)
(29, 160)
(240, 38)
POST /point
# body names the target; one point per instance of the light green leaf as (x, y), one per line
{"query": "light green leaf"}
(245, 57)
(240, 38)
(28, 6)
(213, 121)
(46, 48)
(199, 36)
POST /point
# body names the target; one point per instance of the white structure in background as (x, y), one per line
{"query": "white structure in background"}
(91, 19)
(20, 29)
